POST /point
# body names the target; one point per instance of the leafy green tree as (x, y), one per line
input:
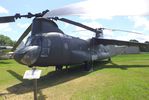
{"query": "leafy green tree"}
(135, 41)
(147, 42)
(6, 41)
(144, 48)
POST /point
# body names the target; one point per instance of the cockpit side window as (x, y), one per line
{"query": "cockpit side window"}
(34, 41)
(28, 42)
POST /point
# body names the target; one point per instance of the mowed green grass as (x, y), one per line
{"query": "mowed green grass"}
(126, 78)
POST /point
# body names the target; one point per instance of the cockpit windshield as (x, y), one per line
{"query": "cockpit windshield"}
(33, 41)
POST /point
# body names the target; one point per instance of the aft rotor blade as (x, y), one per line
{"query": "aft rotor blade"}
(121, 30)
(103, 8)
(97, 41)
(7, 19)
(22, 37)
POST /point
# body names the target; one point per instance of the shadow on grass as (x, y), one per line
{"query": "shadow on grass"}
(54, 78)
(102, 65)
(51, 79)
(4, 62)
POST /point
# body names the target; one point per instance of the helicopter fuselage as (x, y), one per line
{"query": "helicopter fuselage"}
(61, 49)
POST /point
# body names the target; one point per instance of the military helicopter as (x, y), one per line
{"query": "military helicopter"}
(48, 45)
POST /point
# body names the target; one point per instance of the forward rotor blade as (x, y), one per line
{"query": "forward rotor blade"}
(97, 41)
(103, 8)
(22, 37)
(7, 19)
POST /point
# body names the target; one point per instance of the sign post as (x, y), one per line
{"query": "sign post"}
(35, 88)
(33, 74)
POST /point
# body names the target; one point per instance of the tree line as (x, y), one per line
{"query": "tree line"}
(142, 48)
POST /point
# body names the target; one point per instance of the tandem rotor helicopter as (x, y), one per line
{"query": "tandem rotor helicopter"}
(50, 46)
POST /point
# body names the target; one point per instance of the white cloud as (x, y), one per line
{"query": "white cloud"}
(3, 10)
(140, 22)
(116, 7)
(5, 27)
(108, 34)
(6, 30)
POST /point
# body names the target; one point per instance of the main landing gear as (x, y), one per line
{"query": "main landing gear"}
(88, 66)
(58, 68)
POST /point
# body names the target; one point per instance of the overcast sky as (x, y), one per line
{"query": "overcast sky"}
(115, 14)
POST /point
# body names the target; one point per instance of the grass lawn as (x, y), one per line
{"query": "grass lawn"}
(126, 78)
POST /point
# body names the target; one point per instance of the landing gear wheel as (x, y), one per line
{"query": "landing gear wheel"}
(30, 66)
(87, 66)
(109, 59)
(58, 68)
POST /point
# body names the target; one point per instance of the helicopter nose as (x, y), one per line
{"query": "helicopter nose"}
(27, 55)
